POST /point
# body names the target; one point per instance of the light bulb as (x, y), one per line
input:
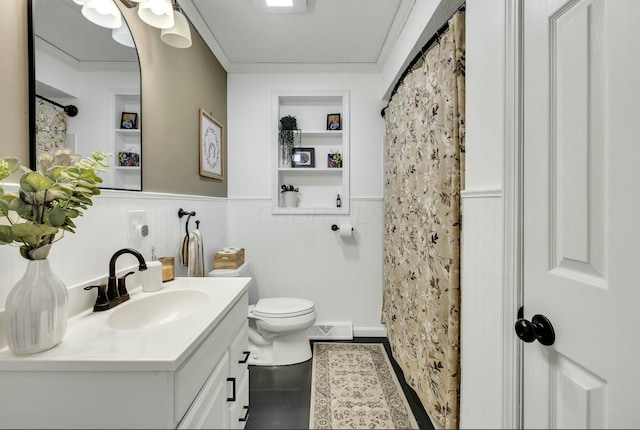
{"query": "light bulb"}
(104, 13)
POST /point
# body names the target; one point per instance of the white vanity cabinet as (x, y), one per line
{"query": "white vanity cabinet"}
(239, 378)
(187, 373)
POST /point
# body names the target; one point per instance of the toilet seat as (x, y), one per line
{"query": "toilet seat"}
(283, 307)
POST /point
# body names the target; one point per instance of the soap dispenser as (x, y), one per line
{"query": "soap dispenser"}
(152, 277)
(338, 201)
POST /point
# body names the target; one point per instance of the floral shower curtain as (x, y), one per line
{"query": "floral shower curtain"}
(51, 127)
(424, 173)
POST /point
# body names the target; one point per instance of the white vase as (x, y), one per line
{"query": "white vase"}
(36, 310)
(290, 199)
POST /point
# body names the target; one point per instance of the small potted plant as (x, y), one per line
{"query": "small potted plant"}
(289, 196)
(287, 132)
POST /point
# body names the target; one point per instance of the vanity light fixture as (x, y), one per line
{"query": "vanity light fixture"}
(104, 13)
(122, 35)
(157, 13)
(178, 36)
(163, 14)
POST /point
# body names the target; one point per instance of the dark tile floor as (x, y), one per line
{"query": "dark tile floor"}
(280, 395)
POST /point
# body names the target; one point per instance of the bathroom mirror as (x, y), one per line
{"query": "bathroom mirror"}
(84, 90)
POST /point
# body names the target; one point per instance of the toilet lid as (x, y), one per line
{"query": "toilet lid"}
(282, 307)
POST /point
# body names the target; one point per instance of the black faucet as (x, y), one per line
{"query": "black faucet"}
(116, 288)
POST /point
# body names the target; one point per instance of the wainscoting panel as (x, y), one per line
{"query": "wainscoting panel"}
(481, 357)
(103, 229)
(300, 256)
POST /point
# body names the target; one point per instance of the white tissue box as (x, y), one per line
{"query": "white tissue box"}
(228, 258)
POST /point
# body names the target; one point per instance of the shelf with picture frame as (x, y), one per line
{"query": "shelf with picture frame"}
(321, 133)
(319, 184)
(127, 141)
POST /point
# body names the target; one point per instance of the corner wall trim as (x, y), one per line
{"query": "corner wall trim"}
(481, 193)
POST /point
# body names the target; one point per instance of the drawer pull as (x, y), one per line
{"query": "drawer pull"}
(233, 390)
(246, 357)
(246, 414)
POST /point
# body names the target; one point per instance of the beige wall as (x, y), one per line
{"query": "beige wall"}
(176, 83)
(14, 85)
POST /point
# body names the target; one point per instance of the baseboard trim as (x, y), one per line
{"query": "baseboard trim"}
(380, 331)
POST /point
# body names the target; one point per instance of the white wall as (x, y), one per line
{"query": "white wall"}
(409, 42)
(55, 69)
(485, 394)
(299, 255)
(96, 117)
(249, 129)
(104, 229)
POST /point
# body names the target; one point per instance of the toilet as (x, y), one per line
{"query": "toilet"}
(277, 326)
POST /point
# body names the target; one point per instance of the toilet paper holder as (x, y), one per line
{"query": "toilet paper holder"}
(335, 227)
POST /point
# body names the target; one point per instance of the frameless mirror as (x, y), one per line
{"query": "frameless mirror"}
(85, 89)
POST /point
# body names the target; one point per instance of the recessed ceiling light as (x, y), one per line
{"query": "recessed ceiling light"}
(279, 3)
(280, 6)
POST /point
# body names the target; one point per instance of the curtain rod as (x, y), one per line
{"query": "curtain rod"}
(70, 110)
(420, 54)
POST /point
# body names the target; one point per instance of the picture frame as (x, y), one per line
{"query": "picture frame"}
(129, 120)
(211, 146)
(334, 121)
(303, 157)
(334, 160)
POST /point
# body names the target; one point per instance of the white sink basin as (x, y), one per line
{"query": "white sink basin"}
(157, 309)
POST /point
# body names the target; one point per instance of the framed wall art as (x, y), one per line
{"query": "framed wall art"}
(211, 146)
(129, 120)
(333, 122)
(303, 157)
(334, 160)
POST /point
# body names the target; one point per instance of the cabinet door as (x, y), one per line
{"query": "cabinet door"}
(239, 410)
(239, 353)
(239, 370)
(209, 409)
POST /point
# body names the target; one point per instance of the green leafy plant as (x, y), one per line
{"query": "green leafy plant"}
(288, 130)
(285, 188)
(47, 201)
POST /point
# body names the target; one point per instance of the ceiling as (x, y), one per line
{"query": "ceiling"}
(59, 24)
(337, 34)
(343, 35)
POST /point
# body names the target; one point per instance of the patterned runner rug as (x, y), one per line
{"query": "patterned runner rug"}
(354, 386)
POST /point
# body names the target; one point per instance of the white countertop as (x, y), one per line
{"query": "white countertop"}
(90, 344)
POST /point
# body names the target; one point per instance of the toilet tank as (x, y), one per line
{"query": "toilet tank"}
(242, 271)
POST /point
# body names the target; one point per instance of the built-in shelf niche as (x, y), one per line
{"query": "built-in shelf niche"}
(126, 140)
(318, 186)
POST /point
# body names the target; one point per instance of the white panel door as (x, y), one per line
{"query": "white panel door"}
(582, 212)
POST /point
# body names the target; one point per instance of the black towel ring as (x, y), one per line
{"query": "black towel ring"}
(181, 213)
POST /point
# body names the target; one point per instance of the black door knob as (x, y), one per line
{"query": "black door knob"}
(539, 328)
